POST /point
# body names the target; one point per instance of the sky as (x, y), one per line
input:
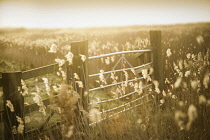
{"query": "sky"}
(100, 13)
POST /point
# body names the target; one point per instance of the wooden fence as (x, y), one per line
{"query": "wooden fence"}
(12, 81)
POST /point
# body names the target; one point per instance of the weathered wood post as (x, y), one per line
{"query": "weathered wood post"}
(155, 41)
(80, 67)
(11, 92)
(68, 74)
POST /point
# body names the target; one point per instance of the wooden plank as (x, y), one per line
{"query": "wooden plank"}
(34, 107)
(41, 71)
(11, 92)
(30, 108)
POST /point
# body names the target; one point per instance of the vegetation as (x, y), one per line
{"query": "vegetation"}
(180, 111)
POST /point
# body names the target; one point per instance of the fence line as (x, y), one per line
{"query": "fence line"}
(80, 68)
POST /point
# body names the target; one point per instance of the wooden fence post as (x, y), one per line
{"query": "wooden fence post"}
(68, 75)
(155, 41)
(80, 67)
(11, 92)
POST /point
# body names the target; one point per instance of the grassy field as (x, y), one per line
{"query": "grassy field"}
(180, 111)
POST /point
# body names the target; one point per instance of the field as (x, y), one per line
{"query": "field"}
(180, 110)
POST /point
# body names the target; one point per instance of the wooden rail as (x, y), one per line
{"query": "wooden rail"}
(38, 71)
(29, 108)
(41, 71)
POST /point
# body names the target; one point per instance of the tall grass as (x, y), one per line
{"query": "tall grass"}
(180, 111)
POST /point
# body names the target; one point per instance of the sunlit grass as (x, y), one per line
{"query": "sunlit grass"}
(180, 111)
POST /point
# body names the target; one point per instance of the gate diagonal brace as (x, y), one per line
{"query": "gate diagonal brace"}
(120, 59)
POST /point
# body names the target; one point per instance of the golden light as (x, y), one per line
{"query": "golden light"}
(95, 14)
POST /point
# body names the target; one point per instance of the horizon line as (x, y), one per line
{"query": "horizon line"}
(109, 26)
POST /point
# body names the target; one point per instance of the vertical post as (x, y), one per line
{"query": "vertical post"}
(80, 67)
(68, 74)
(155, 41)
(11, 92)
